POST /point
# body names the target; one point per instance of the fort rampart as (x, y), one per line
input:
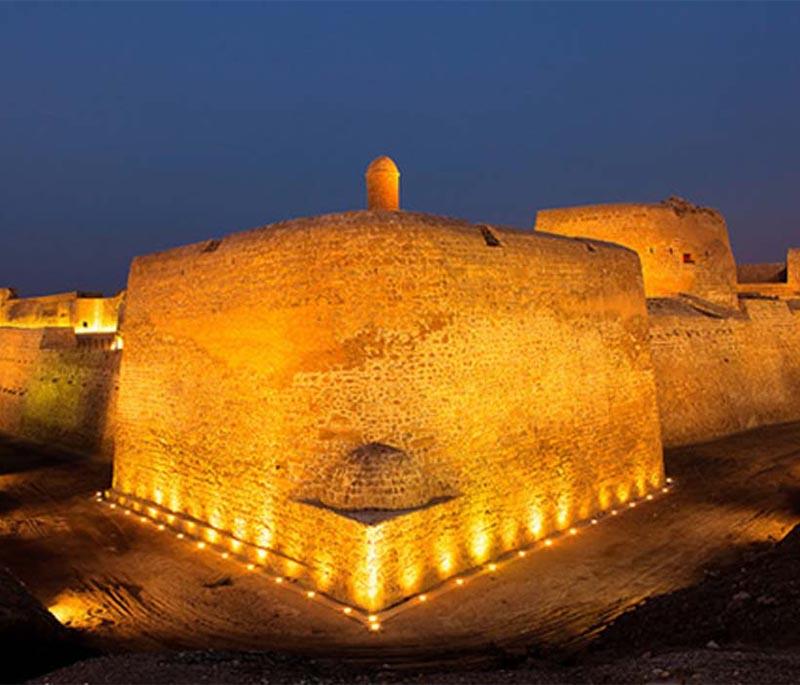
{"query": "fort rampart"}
(718, 375)
(58, 389)
(472, 387)
(726, 353)
(684, 249)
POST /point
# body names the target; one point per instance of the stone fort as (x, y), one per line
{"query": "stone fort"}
(372, 402)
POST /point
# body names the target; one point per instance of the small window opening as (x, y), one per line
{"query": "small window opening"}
(687, 258)
(86, 324)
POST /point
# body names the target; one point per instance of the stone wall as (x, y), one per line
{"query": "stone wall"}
(778, 279)
(58, 388)
(723, 374)
(683, 248)
(511, 368)
(793, 267)
(85, 313)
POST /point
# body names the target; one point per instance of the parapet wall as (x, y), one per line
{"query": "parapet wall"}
(719, 375)
(58, 388)
(511, 369)
(778, 279)
(683, 248)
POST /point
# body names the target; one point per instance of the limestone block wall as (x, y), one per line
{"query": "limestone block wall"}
(57, 390)
(683, 248)
(717, 376)
(512, 368)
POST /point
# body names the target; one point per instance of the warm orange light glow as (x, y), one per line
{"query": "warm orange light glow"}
(224, 538)
(563, 513)
(70, 609)
(480, 543)
(375, 627)
(535, 523)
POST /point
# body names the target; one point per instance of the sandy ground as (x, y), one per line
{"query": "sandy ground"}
(127, 586)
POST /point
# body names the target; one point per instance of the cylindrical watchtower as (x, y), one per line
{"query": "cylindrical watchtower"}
(383, 185)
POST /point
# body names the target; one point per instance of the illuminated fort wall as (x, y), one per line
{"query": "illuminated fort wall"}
(683, 248)
(722, 364)
(81, 312)
(512, 370)
(720, 375)
(58, 387)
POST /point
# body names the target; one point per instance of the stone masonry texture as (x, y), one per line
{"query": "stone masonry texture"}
(517, 374)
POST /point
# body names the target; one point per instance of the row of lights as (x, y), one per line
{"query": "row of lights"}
(371, 621)
(146, 513)
(492, 567)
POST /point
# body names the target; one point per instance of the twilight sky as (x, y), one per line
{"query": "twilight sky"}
(129, 128)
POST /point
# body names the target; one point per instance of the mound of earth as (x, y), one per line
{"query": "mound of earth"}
(32, 641)
(754, 603)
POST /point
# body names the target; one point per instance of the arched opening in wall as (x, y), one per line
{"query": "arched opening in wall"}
(687, 258)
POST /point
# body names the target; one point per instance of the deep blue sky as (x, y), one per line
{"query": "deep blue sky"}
(128, 128)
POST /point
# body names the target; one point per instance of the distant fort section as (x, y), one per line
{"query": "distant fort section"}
(372, 402)
(84, 313)
(684, 249)
(59, 359)
(726, 349)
